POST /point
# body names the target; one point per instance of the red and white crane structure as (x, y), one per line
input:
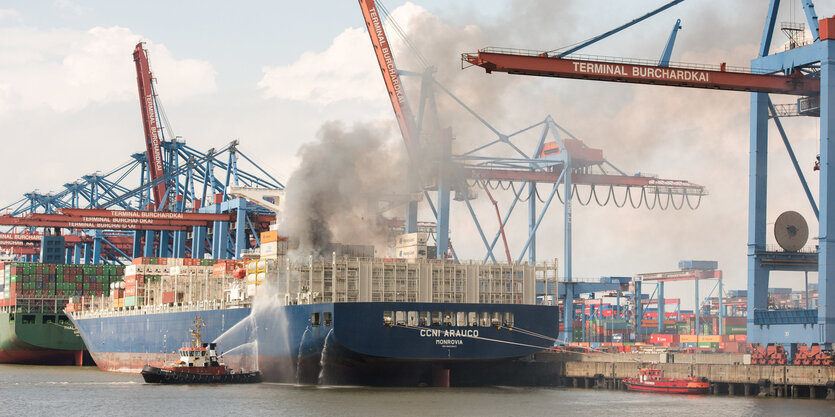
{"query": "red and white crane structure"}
(151, 125)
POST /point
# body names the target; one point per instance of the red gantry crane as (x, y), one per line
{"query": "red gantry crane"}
(397, 96)
(719, 77)
(150, 123)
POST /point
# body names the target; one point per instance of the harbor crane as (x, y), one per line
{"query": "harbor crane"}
(558, 159)
(805, 69)
(151, 126)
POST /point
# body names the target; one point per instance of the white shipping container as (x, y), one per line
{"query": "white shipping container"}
(411, 239)
(177, 270)
(269, 249)
(411, 252)
(131, 270)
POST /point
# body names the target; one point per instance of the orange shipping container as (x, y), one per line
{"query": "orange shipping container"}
(269, 236)
(710, 339)
(688, 338)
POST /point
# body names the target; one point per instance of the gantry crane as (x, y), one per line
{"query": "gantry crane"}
(402, 111)
(166, 214)
(151, 125)
(803, 69)
(557, 159)
(688, 271)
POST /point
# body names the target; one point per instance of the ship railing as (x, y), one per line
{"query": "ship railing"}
(162, 308)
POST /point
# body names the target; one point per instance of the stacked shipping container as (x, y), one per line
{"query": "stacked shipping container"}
(22, 280)
(414, 247)
(166, 280)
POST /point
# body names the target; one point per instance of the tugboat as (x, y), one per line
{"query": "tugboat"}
(198, 364)
(652, 380)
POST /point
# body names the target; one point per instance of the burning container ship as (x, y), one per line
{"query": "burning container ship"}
(33, 296)
(342, 321)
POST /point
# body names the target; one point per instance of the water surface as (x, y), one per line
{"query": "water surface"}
(87, 391)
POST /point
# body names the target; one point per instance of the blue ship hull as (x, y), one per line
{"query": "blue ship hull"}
(341, 343)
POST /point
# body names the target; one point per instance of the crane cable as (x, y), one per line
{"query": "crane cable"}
(402, 35)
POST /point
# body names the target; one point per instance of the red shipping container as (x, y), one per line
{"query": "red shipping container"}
(730, 347)
(134, 278)
(130, 291)
(135, 285)
(741, 338)
(168, 297)
(826, 28)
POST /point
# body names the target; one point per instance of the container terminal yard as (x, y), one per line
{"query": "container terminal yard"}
(112, 269)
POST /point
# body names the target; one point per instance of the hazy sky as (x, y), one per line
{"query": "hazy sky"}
(272, 73)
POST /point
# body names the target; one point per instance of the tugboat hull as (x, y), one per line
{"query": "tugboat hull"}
(155, 375)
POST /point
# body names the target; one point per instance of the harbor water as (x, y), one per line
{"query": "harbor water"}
(87, 391)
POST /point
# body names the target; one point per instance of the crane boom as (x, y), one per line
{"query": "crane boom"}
(538, 63)
(153, 144)
(385, 59)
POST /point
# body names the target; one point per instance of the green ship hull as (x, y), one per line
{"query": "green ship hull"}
(39, 338)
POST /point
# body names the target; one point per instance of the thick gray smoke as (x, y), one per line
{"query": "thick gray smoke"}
(334, 194)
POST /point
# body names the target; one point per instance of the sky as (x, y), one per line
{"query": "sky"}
(272, 74)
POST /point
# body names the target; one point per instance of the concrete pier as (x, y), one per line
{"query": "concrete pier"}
(728, 374)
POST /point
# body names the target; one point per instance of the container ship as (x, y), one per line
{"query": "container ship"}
(33, 297)
(344, 320)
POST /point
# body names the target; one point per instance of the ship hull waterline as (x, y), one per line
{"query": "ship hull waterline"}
(341, 343)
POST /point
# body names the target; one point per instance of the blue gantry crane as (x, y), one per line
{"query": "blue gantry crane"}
(176, 178)
(803, 69)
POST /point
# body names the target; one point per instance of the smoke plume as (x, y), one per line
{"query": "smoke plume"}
(334, 194)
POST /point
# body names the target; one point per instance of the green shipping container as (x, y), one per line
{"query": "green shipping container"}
(132, 301)
(735, 330)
